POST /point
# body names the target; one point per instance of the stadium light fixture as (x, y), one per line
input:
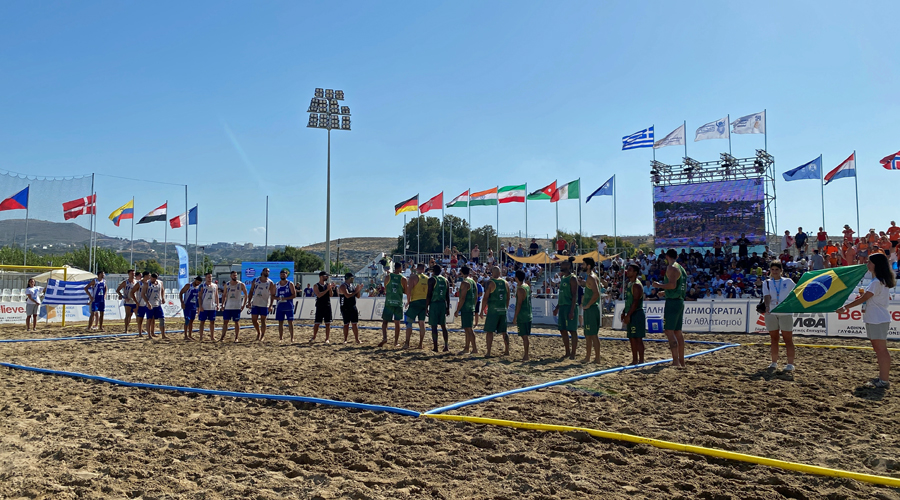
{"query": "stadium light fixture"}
(325, 112)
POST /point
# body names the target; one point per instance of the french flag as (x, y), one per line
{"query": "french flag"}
(846, 169)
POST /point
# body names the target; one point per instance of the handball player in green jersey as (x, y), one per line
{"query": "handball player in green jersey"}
(394, 286)
(674, 287)
(496, 303)
(438, 305)
(566, 307)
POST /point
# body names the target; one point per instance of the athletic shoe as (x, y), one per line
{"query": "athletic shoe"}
(789, 367)
(877, 383)
(773, 366)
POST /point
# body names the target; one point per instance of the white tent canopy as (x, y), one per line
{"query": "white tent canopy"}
(71, 274)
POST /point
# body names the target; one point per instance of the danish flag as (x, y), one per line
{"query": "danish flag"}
(81, 206)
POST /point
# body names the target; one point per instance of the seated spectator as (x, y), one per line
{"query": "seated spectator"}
(731, 291)
(693, 293)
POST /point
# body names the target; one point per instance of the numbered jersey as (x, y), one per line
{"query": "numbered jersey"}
(99, 291)
(191, 298)
(261, 292)
(208, 295)
(129, 286)
(233, 296)
(140, 286)
(153, 295)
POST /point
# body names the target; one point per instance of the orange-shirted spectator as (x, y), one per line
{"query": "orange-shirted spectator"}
(848, 233)
(893, 233)
(833, 260)
(885, 244)
(872, 238)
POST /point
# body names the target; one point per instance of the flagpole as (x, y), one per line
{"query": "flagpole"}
(91, 249)
(526, 212)
(728, 128)
(615, 234)
(196, 247)
(166, 239)
(266, 256)
(580, 232)
(653, 146)
(469, 205)
(856, 184)
(404, 239)
(498, 230)
(27, 208)
(187, 212)
(131, 260)
(418, 236)
(822, 182)
(766, 133)
(443, 221)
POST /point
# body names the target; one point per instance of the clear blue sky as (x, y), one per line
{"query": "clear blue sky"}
(445, 96)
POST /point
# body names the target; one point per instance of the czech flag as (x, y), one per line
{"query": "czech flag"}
(846, 169)
(126, 211)
(18, 201)
(436, 202)
(410, 205)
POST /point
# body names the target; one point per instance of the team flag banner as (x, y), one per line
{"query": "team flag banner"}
(570, 191)
(512, 194)
(436, 202)
(18, 201)
(460, 201)
(713, 130)
(605, 190)
(675, 138)
(178, 221)
(410, 205)
(639, 139)
(750, 124)
(158, 214)
(484, 198)
(847, 168)
(126, 211)
(66, 293)
(811, 170)
(822, 291)
(544, 193)
(81, 206)
(891, 162)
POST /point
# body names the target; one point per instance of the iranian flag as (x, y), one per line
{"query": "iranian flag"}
(511, 194)
(544, 193)
(488, 197)
(460, 201)
(568, 191)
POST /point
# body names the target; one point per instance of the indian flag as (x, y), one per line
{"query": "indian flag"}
(512, 194)
(570, 191)
(488, 197)
(460, 201)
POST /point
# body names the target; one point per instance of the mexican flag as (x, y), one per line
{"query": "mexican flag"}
(544, 193)
(512, 194)
(460, 201)
(568, 191)
(488, 197)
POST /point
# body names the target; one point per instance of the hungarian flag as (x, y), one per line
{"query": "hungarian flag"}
(81, 206)
(436, 202)
(846, 169)
(544, 193)
(178, 221)
(822, 291)
(568, 191)
(483, 198)
(512, 194)
(891, 162)
(158, 214)
(460, 201)
(18, 201)
(410, 205)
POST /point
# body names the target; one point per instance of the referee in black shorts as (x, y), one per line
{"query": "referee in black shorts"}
(348, 293)
(323, 291)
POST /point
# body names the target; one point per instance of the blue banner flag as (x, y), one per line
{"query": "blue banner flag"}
(811, 170)
(640, 139)
(605, 190)
(67, 293)
(192, 216)
(182, 266)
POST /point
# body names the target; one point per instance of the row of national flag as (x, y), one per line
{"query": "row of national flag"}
(506, 194)
(88, 206)
(718, 129)
(847, 168)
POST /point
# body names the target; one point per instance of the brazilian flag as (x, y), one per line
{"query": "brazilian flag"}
(822, 291)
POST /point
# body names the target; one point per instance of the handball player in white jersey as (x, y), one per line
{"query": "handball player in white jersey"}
(262, 294)
(235, 301)
(208, 304)
(124, 292)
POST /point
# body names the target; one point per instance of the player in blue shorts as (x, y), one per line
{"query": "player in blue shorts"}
(124, 292)
(261, 297)
(137, 296)
(285, 293)
(153, 297)
(207, 306)
(235, 300)
(190, 295)
(96, 292)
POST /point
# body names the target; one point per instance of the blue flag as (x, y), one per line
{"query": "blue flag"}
(639, 139)
(811, 170)
(605, 190)
(192, 216)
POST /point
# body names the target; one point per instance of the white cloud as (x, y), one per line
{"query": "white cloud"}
(259, 230)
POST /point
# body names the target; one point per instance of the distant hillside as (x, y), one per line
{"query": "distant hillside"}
(355, 252)
(59, 234)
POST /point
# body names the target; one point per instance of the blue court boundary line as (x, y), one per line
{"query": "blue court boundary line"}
(483, 399)
(83, 337)
(213, 392)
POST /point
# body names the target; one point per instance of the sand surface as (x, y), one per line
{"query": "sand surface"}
(68, 438)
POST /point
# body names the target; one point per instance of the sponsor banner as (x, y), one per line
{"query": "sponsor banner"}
(252, 270)
(12, 312)
(719, 316)
(851, 323)
(804, 324)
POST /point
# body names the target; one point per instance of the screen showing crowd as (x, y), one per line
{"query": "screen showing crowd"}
(693, 215)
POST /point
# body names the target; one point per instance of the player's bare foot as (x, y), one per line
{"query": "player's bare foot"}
(506, 352)
(382, 343)
(420, 347)
(358, 342)
(446, 349)
(526, 358)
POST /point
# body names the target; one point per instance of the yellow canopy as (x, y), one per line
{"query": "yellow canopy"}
(543, 258)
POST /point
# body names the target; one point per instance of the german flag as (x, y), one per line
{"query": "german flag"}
(410, 205)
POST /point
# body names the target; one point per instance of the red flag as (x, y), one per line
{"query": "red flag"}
(436, 202)
(891, 162)
(177, 221)
(81, 206)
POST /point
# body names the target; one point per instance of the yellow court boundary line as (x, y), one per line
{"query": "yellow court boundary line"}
(818, 346)
(729, 455)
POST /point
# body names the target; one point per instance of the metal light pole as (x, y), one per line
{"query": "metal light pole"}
(323, 113)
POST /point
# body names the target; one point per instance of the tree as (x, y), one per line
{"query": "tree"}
(148, 266)
(428, 237)
(586, 244)
(304, 262)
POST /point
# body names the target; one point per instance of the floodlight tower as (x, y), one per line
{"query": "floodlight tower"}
(325, 112)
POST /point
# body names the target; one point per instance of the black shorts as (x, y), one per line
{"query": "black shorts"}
(323, 314)
(350, 315)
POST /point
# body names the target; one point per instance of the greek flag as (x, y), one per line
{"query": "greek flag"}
(67, 293)
(640, 139)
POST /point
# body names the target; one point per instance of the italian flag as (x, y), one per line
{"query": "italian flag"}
(568, 191)
(544, 193)
(511, 194)
(460, 201)
(488, 197)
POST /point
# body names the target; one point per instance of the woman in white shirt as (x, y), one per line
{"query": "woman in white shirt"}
(32, 305)
(775, 290)
(876, 315)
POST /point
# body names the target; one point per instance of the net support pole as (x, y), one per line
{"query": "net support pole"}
(856, 188)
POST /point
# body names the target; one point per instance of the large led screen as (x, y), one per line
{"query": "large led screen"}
(693, 215)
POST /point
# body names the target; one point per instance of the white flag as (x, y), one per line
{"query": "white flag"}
(675, 138)
(713, 130)
(750, 124)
